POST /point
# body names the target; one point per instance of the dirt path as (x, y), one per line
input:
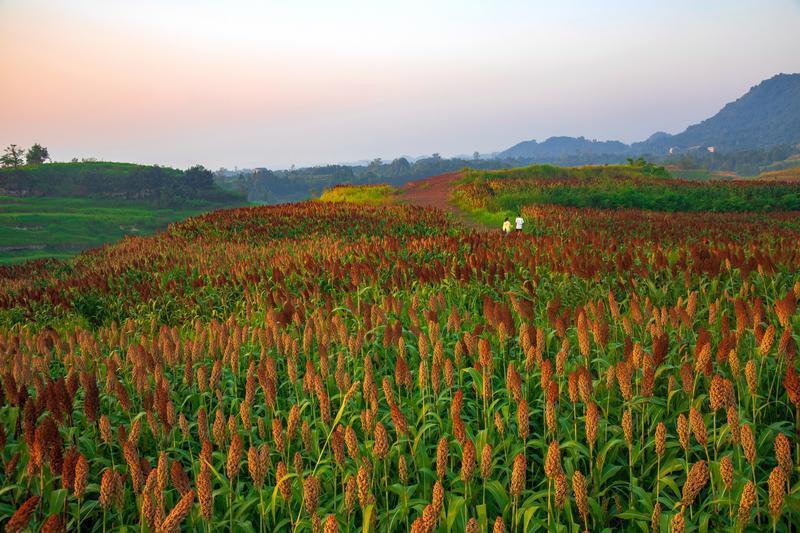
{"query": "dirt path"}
(435, 192)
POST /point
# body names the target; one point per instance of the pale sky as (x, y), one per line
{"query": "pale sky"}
(275, 83)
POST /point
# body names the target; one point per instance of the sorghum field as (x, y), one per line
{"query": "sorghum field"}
(339, 367)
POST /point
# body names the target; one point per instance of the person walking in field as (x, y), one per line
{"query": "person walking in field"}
(519, 221)
(506, 227)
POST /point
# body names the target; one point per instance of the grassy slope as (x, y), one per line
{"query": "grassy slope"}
(360, 194)
(788, 174)
(614, 186)
(32, 228)
(69, 207)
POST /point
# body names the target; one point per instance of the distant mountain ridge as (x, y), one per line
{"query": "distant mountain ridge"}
(767, 115)
(561, 146)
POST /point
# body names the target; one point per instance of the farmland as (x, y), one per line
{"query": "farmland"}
(345, 366)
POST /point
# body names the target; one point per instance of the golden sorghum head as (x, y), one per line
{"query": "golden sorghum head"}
(783, 453)
(552, 463)
(562, 489)
(777, 488)
(350, 494)
(467, 461)
(522, 419)
(696, 480)
(655, 518)
(499, 526)
(311, 490)
(381, 446)
(733, 362)
(581, 499)
(132, 458)
(751, 375)
(767, 340)
(254, 467)
(498, 423)
(402, 469)
(281, 473)
(733, 424)
(162, 470)
(678, 524)
(726, 472)
(438, 497)
(173, 520)
(441, 458)
(235, 451)
(472, 526)
(627, 426)
(698, 426)
(363, 485)
(683, 431)
(292, 422)
(661, 439)
(352, 442)
(429, 518)
(746, 503)
(592, 418)
(205, 493)
(748, 444)
(518, 475)
(109, 486)
(277, 434)
(331, 526)
(180, 480)
(81, 476)
(550, 416)
(486, 461)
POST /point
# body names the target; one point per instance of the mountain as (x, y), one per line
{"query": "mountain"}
(556, 147)
(768, 115)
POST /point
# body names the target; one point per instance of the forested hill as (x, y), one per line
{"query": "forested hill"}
(152, 185)
(767, 115)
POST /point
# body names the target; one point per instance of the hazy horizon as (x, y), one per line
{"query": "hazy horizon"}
(268, 84)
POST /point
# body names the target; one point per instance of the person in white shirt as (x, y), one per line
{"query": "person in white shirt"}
(519, 222)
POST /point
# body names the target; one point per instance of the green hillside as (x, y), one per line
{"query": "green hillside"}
(60, 209)
(152, 185)
(35, 228)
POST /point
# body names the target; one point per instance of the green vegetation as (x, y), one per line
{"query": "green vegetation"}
(152, 185)
(744, 162)
(33, 228)
(640, 185)
(361, 194)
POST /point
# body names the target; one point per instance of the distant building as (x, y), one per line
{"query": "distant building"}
(711, 149)
(672, 151)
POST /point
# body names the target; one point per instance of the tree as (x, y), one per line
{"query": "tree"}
(37, 154)
(12, 156)
(476, 155)
(197, 177)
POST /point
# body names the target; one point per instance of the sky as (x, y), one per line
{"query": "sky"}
(242, 83)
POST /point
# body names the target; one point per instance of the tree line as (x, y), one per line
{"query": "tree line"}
(15, 156)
